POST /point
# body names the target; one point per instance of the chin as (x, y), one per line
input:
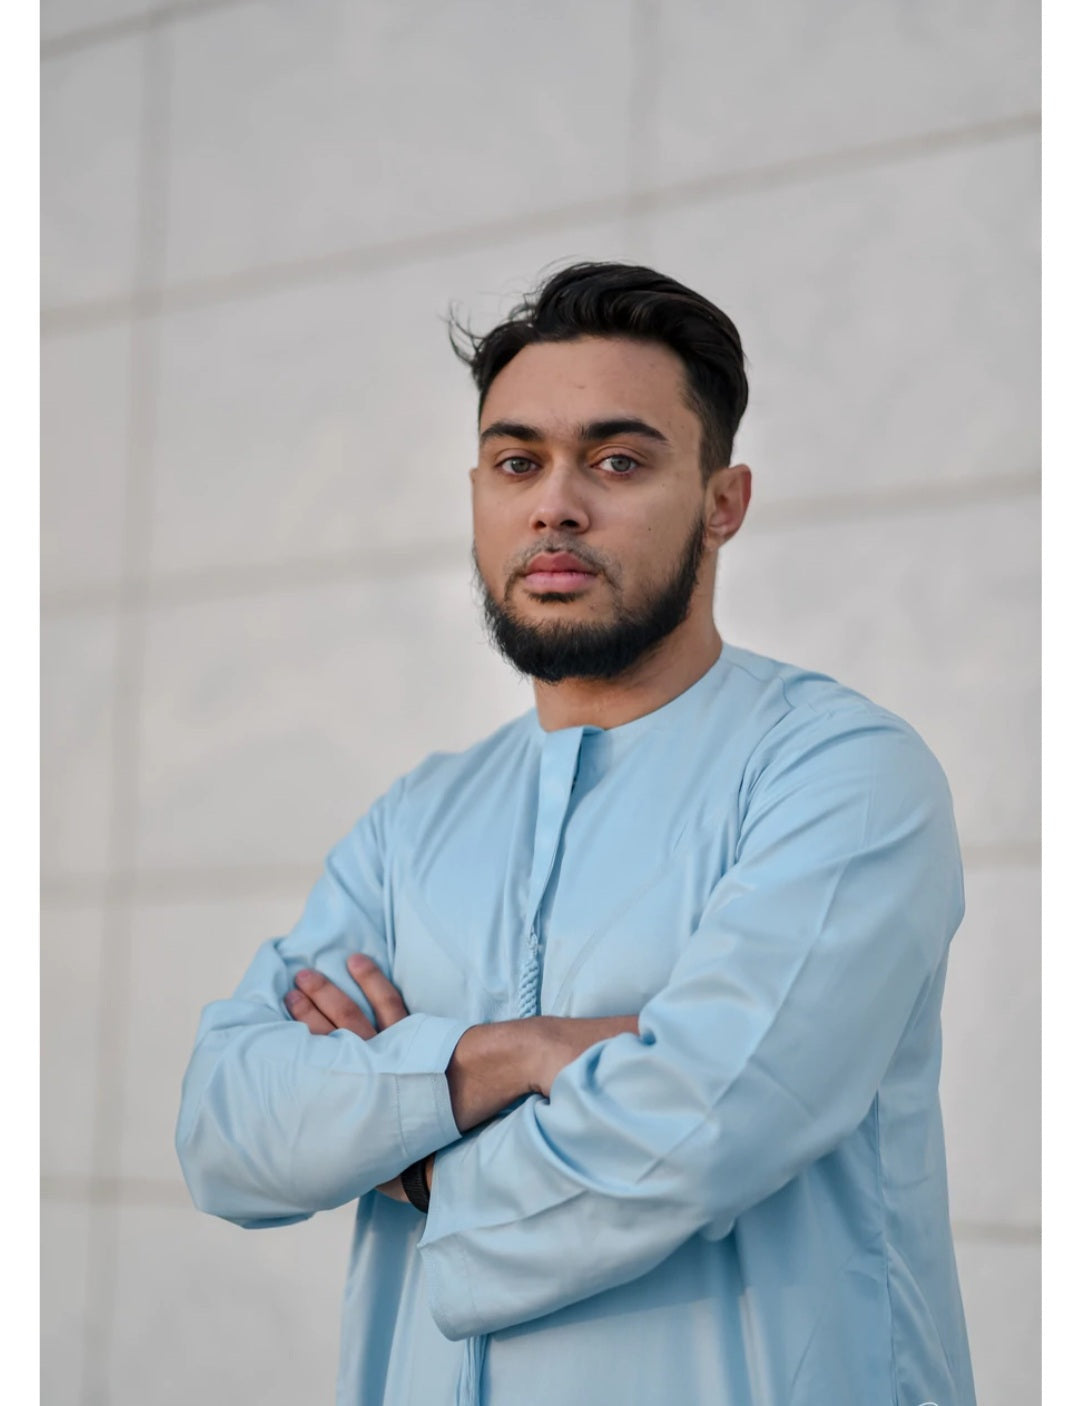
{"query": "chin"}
(520, 596)
(551, 612)
(549, 598)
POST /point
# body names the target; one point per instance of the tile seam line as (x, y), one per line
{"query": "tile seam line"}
(208, 586)
(77, 41)
(112, 1054)
(96, 1190)
(988, 1232)
(643, 98)
(199, 884)
(164, 300)
(156, 1192)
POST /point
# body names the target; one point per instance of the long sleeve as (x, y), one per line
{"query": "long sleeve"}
(276, 1123)
(764, 1049)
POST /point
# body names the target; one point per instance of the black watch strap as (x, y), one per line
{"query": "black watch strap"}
(414, 1182)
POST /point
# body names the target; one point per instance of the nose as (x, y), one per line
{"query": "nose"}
(559, 503)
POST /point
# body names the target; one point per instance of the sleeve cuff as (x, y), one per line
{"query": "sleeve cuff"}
(425, 1113)
(449, 1285)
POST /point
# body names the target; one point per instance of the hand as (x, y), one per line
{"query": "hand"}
(323, 1007)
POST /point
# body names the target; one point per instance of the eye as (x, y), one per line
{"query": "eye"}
(621, 465)
(516, 465)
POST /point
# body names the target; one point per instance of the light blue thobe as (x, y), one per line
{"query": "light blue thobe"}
(746, 1204)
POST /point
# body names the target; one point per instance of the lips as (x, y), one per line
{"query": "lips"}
(558, 571)
(559, 561)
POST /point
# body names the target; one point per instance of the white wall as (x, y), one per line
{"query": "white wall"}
(255, 530)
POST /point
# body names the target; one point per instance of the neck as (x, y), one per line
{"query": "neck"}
(674, 666)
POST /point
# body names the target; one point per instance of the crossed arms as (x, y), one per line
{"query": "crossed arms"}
(492, 1065)
(765, 1048)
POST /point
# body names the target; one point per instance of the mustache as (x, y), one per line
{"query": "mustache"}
(584, 554)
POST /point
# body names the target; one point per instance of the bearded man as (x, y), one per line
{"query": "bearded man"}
(622, 1027)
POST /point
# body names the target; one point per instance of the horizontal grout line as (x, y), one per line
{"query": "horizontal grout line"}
(148, 1191)
(905, 498)
(75, 891)
(217, 583)
(111, 1191)
(841, 161)
(392, 562)
(400, 252)
(90, 36)
(994, 1232)
(191, 884)
(1024, 854)
(196, 884)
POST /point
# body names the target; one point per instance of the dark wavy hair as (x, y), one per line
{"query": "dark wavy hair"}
(626, 300)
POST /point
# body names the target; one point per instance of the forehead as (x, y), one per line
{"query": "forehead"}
(553, 385)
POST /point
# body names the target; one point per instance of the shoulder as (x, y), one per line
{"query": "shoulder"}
(811, 724)
(439, 783)
(439, 771)
(446, 777)
(838, 780)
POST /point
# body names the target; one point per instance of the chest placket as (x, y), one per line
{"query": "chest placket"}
(558, 768)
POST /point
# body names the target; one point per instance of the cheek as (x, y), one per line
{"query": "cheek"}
(650, 555)
(488, 506)
(494, 542)
(485, 521)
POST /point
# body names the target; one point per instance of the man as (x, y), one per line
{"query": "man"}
(623, 1025)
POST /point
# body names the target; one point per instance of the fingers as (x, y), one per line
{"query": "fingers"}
(323, 1007)
(301, 1009)
(384, 996)
(340, 1011)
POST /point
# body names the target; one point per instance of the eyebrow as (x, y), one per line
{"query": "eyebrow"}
(596, 429)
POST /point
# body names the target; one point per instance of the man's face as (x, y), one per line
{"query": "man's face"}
(589, 513)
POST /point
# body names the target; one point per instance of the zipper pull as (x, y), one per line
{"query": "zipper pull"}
(529, 986)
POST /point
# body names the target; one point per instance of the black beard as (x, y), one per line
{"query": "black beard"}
(564, 650)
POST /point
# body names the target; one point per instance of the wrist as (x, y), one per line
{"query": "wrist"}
(416, 1186)
(490, 1067)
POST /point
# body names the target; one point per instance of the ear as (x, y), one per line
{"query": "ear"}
(727, 497)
